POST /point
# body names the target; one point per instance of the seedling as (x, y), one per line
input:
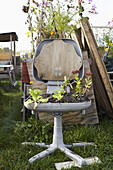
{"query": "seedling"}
(37, 98)
(81, 90)
(58, 93)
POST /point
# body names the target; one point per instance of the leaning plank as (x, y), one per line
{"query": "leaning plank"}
(103, 86)
(91, 113)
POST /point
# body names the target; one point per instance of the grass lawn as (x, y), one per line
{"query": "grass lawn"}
(13, 132)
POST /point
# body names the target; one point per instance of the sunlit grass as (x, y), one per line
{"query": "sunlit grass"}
(13, 132)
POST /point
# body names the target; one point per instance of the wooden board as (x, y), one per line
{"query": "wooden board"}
(2, 76)
(102, 85)
(4, 56)
(36, 84)
(56, 60)
(91, 116)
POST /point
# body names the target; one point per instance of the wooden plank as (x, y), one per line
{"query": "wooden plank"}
(14, 54)
(4, 56)
(56, 60)
(4, 76)
(78, 37)
(91, 113)
(110, 72)
(4, 72)
(100, 92)
(105, 89)
(6, 66)
(36, 84)
(11, 47)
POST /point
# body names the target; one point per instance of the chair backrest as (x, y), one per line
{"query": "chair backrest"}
(56, 58)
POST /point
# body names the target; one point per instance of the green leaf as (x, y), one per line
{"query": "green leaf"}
(35, 94)
(28, 34)
(43, 100)
(76, 78)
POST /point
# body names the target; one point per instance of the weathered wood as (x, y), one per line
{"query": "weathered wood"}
(78, 37)
(62, 59)
(11, 48)
(4, 76)
(5, 56)
(14, 54)
(8, 73)
(91, 113)
(6, 68)
(102, 85)
(36, 84)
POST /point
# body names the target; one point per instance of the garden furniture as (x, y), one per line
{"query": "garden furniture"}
(7, 61)
(60, 56)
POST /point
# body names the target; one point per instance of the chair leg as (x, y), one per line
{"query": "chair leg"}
(58, 143)
(35, 112)
(42, 154)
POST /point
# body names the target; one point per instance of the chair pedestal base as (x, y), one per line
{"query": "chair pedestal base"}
(58, 143)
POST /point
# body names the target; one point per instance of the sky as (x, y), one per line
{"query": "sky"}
(12, 19)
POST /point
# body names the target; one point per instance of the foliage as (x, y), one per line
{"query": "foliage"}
(40, 128)
(10, 107)
(6, 49)
(66, 83)
(86, 7)
(50, 19)
(58, 94)
(104, 38)
(36, 97)
(35, 94)
(8, 95)
(80, 90)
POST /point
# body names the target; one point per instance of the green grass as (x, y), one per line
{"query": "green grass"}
(13, 132)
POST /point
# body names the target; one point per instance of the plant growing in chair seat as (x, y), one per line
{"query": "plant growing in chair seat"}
(66, 83)
(58, 93)
(79, 87)
(37, 98)
(62, 95)
(81, 90)
(88, 81)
